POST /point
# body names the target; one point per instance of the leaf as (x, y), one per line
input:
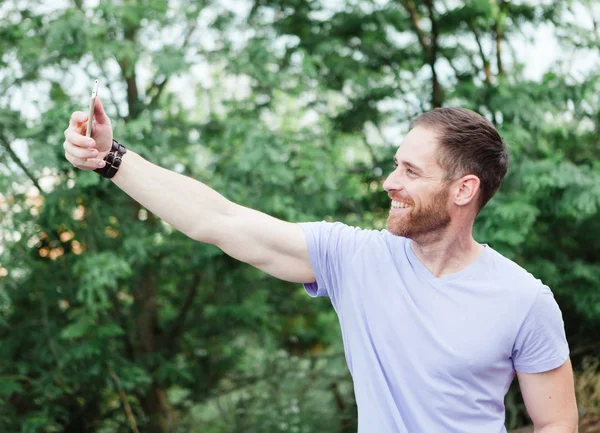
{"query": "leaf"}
(108, 331)
(9, 386)
(77, 329)
(99, 272)
(86, 179)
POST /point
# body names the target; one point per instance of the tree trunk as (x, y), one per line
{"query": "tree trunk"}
(161, 417)
(437, 96)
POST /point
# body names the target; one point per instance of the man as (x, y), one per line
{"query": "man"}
(435, 325)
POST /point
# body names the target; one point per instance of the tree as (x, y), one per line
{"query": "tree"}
(119, 309)
(111, 320)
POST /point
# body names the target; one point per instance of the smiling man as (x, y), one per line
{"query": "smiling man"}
(435, 325)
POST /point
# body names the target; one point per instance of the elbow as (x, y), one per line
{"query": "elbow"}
(558, 427)
(201, 234)
(213, 227)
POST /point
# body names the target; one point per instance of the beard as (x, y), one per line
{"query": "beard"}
(416, 223)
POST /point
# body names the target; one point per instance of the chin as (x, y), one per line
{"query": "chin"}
(397, 227)
(426, 225)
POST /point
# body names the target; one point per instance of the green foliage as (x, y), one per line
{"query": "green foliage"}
(100, 300)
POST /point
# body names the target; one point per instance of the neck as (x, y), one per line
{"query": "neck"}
(447, 252)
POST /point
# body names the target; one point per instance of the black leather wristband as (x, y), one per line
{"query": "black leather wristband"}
(112, 160)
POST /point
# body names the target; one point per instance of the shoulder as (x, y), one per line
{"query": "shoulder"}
(352, 238)
(339, 229)
(514, 279)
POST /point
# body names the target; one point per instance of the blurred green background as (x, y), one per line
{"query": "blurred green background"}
(111, 321)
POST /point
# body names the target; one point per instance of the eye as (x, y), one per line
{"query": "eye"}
(411, 173)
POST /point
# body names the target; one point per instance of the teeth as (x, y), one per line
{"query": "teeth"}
(399, 204)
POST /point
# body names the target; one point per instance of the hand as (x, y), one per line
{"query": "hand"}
(87, 153)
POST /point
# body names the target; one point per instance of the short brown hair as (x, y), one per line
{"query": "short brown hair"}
(469, 144)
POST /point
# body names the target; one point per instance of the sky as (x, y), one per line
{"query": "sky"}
(539, 52)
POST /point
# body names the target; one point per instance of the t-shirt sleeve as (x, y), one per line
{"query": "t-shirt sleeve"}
(541, 344)
(330, 247)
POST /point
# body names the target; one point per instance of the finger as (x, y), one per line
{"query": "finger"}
(85, 164)
(77, 162)
(78, 139)
(94, 163)
(99, 114)
(79, 152)
(77, 118)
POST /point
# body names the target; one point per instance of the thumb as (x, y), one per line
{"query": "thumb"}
(99, 114)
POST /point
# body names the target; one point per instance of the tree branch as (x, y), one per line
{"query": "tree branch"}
(110, 90)
(129, 349)
(429, 48)
(147, 318)
(452, 65)
(46, 325)
(128, 71)
(21, 164)
(132, 90)
(178, 323)
(374, 159)
(498, 34)
(436, 93)
(409, 5)
(402, 95)
(487, 71)
(123, 396)
(484, 59)
(159, 86)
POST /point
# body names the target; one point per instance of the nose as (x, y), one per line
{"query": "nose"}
(392, 183)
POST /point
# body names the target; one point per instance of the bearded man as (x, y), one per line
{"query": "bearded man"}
(435, 325)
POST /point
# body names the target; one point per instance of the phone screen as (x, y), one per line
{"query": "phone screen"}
(88, 131)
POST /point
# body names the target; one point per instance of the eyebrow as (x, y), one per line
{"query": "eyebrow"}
(408, 164)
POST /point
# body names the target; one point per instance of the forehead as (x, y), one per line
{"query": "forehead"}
(419, 148)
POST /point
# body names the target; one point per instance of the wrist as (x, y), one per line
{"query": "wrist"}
(112, 160)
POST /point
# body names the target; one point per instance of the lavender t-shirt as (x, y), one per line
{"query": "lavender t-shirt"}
(429, 354)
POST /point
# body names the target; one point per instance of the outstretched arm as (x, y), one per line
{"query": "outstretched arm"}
(274, 246)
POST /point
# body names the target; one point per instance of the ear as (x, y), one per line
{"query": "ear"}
(467, 190)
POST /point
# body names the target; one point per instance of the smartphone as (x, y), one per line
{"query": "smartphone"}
(88, 131)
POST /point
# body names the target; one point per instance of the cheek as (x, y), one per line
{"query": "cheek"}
(414, 192)
(441, 199)
(424, 197)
